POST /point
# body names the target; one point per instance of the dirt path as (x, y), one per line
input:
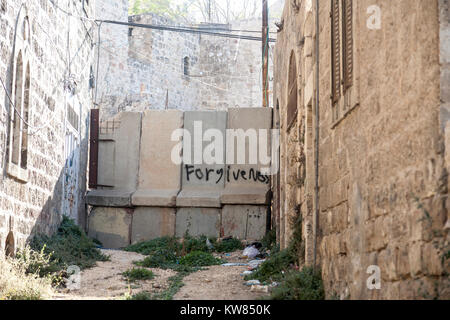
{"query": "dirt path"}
(216, 283)
(105, 281)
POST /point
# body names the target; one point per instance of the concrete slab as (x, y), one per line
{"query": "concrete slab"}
(119, 143)
(109, 198)
(234, 222)
(159, 176)
(246, 181)
(202, 183)
(198, 222)
(152, 223)
(257, 222)
(111, 226)
(155, 198)
(245, 195)
(244, 222)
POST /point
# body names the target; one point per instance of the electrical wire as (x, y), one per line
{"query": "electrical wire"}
(183, 29)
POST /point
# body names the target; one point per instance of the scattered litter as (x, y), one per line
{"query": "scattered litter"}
(209, 244)
(257, 245)
(253, 283)
(255, 264)
(246, 273)
(258, 288)
(227, 254)
(251, 252)
(234, 264)
(275, 284)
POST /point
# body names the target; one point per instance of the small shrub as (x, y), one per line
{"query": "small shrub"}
(69, 246)
(269, 241)
(304, 285)
(273, 268)
(163, 259)
(191, 244)
(167, 244)
(144, 295)
(229, 245)
(199, 259)
(136, 274)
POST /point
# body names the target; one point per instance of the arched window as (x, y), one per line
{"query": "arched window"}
(10, 247)
(292, 91)
(20, 107)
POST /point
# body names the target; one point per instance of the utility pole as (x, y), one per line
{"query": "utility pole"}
(265, 52)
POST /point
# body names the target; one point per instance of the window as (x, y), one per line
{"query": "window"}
(292, 92)
(186, 66)
(10, 247)
(342, 57)
(20, 108)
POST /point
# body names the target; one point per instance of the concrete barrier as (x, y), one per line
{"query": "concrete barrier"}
(247, 183)
(118, 161)
(244, 221)
(247, 187)
(202, 184)
(151, 223)
(198, 222)
(159, 176)
(139, 196)
(111, 226)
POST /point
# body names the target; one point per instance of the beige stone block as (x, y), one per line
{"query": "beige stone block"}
(432, 260)
(415, 259)
(152, 223)
(403, 268)
(388, 265)
(111, 226)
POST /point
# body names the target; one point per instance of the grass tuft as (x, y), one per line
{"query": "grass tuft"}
(200, 259)
(300, 285)
(137, 274)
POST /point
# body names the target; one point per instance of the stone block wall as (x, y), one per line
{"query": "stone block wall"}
(383, 183)
(59, 104)
(143, 69)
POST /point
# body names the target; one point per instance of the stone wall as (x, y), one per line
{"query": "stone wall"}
(143, 69)
(50, 180)
(383, 186)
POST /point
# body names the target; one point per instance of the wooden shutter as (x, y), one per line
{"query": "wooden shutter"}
(347, 34)
(335, 52)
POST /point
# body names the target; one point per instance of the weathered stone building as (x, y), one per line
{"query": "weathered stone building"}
(142, 69)
(46, 59)
(362, 92)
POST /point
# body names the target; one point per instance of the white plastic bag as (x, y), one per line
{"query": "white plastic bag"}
(251, 252)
